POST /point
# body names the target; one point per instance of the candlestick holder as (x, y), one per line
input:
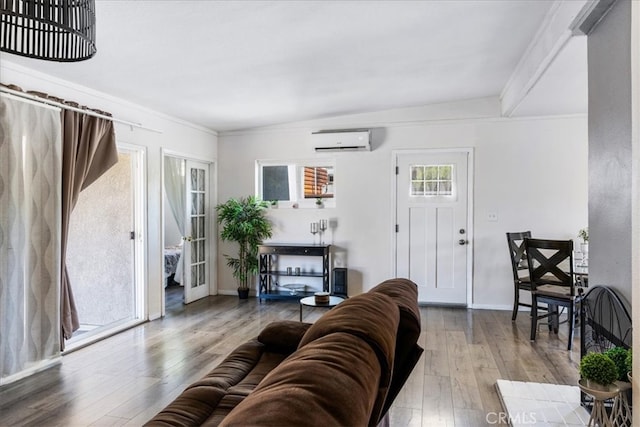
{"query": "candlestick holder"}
(323, 227)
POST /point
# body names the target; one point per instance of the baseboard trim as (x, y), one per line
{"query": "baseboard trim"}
(234, 292)
(492, 307)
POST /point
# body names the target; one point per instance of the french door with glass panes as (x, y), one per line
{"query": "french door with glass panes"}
(196, 239)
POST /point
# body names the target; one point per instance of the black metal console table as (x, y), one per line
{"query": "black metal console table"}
(268, 254)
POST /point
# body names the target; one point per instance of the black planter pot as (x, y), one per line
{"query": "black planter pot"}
(243, 293)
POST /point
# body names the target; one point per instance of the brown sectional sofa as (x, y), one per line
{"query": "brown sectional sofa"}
(344, 370)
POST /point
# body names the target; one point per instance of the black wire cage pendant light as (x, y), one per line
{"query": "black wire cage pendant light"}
(54, 30)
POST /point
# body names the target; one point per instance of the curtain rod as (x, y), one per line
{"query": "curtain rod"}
(69, 107)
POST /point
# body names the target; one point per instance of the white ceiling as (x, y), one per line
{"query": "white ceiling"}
(230, 65)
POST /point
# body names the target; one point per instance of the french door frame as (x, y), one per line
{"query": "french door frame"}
(470, 219)
(212, 195)
(138, 175)
(140, 224)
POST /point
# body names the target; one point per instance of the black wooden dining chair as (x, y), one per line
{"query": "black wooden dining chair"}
(552, 283)
(520, 269)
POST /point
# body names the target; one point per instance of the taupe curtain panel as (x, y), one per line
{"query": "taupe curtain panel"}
(88, 150)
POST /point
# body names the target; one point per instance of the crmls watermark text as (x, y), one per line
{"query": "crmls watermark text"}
(515, 418)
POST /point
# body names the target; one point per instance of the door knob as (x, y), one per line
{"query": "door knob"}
(462, 242)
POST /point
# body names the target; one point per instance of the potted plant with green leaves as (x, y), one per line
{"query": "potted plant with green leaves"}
(598, 371)
(619, 357)
(244, 221)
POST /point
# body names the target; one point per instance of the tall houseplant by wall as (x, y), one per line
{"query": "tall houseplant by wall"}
(244, 222)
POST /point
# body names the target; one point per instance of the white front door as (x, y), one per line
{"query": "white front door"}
(196, 239)
(432, 224)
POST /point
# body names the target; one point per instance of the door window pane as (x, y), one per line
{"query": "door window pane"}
(194, 252)
(201, 231)
(194, 179)
(200, 186)
(431, 180)
(194, 226)
(194, 275)
(201, 251)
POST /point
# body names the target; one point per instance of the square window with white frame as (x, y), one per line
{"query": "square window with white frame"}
(432, 181)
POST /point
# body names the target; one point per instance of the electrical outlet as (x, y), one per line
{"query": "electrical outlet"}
(493, 217)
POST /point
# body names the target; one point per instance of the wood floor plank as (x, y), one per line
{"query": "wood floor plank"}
(486, 380)
(189, 371)
(128, 378)
(110, 421)
(437, 406)
(405, 417)
(100, 407)
(470, 417)
(481, 356)
(436, 362)
(464, 387)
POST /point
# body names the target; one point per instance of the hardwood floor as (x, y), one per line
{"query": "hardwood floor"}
(126, 379)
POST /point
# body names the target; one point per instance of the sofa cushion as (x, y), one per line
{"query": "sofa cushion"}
(283, 336)
(366, 316)
(216, 394)
(226, 405)
(373, 318)
(191, 408)
(331, 381)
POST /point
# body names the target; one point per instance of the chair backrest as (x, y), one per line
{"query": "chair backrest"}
(519, 264)
(550, 262)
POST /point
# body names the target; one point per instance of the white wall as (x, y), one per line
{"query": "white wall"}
(635, 124)
(610, 148)
(531, 172)
(614, 159)
(176, 135)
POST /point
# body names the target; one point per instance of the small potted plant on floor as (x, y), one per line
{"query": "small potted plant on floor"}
(598, 371)
(244, 222)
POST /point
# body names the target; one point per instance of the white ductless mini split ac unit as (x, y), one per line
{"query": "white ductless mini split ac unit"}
(342, 140)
